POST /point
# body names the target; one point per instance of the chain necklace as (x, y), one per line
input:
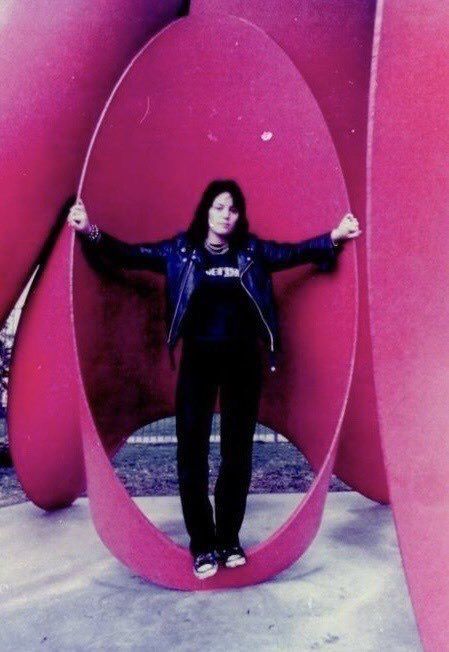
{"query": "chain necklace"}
(216, 248)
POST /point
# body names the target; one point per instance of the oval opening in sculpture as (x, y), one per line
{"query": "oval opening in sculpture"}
(140, 184)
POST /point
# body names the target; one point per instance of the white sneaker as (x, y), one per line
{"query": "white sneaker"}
(232, 556)
(205, 565)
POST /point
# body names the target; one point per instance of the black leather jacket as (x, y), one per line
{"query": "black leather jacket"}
(180, 262)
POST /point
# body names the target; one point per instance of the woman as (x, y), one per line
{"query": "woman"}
(220, 301)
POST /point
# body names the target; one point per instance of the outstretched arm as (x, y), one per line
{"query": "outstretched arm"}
(320, 250)
(145, 255)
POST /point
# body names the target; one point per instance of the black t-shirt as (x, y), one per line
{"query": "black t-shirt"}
(220, 308)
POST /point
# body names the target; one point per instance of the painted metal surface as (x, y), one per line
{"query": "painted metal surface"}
(58, 64)
(55, 80)
(254, 125)
(408, 273)
(330, 44)
(150, 159)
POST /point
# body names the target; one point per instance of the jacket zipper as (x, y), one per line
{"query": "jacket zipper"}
(179, 299)
(257, 305)
(246, 290)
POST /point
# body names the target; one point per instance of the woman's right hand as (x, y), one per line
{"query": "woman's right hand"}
(78, 219)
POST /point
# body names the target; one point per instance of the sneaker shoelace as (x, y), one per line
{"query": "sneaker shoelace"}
(204, 559)
(233, 551)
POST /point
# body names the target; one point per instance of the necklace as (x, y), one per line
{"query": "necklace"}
(216, 248)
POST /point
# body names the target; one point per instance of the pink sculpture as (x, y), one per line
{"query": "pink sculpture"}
(55, 81)
(93, 294)
(49, 113)
(330, 44)
(130, 171)
(58, 350)
(409, 271)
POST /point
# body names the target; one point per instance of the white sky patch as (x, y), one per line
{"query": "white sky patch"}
(6, 9)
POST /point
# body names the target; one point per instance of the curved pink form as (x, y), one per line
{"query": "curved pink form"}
(136, 542)
(48, 116)
(330, 44)
(409, 272)
(57, 66)
(43, 421)
(254, 125)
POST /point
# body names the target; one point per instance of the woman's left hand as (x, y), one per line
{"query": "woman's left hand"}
(347, 229)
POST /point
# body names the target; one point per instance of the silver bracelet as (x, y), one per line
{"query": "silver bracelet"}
(94, 233)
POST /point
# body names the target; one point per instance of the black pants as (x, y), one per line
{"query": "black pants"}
(235, 369)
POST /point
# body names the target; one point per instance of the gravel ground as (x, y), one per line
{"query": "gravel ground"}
(151, 470)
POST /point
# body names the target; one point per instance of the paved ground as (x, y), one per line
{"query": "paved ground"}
(60, 589)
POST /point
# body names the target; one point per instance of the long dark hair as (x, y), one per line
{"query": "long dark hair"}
(199, 227)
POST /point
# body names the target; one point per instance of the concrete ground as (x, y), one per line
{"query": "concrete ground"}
(60, 589)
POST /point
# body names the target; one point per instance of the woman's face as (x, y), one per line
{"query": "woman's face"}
(223, 215)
